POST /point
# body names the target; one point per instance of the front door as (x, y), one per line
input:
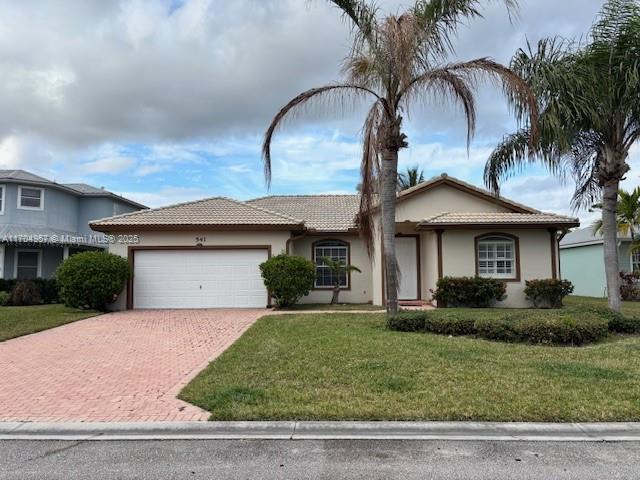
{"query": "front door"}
(407, 254)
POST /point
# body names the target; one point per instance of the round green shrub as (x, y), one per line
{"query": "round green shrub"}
(4, 298)
(548, 292)
(407, 321)
(92, 280)
(288, 278)
(470, 292)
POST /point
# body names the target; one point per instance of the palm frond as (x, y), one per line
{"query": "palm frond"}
(300, 100)
(362, 15)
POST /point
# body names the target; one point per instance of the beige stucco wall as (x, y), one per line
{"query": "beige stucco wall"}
(458, 258)
(277, 240)
(442, 199)
(361, 283)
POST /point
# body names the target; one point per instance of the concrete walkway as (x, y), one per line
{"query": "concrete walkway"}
(449, 431)
(124, 366)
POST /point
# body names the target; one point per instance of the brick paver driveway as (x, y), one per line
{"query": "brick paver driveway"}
(125, 366)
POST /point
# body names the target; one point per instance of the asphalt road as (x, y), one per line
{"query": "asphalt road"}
(311, 459)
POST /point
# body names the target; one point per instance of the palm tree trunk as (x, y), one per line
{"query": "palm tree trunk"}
(389, 175)
(610, 239)
(336, 293)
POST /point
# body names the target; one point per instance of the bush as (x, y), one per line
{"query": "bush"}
(288, 278)
(48, 288)
(4, 298)
(92, 279)
(547, 293)
(501, 329)
(25, 293)
(472, 292)
(407, 321)
(451, 324)
(629, 290)
(563, 329)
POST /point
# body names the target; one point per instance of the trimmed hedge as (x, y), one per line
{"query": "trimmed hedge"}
(471, 292)
(407, 321)
(576, 326)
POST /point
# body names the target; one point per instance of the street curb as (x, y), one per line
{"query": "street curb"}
(459, 431)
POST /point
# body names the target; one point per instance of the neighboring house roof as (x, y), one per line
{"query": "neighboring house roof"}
(447, 219)
(80, 189)
(445, 179)
(216, 211)
(586, 236)
(328, 213)
(27, 234)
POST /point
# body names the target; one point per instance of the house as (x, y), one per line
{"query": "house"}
(206, 253)
(582, 256)
(42, 222)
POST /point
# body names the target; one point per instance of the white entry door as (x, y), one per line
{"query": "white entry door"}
(199, 279)
(407, 254)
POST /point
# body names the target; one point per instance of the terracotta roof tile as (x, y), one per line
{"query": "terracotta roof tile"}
(447, 218)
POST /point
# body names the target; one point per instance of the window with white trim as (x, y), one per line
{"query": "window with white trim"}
(635, 261)
(336, 250)
(27, 264)
(496, 257)
(2, 190)
(30, 198)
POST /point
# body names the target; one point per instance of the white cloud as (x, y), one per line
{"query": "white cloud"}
(109, 165)
(166, 196)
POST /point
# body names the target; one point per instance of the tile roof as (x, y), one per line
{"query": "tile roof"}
(329, 213)
(210, 211)
(507, 218)
(586, 236)
(86, 188)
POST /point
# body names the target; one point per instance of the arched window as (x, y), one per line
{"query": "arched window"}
(497, 256)
(336, 250)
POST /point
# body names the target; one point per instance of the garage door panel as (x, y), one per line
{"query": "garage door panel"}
(199, 279)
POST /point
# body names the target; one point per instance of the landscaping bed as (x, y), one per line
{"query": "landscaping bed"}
(351, 367)
(18, 321)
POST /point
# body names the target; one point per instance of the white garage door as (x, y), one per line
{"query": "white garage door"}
(198, 279)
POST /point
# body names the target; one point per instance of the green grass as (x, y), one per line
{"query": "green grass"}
(628, 308)
(340, 307)
(350, 367)
(18, 321)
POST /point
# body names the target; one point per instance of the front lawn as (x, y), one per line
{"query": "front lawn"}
(628, 308)
(18, 321)
(350, 367)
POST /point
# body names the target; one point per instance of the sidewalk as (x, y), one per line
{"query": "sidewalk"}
(472, 431)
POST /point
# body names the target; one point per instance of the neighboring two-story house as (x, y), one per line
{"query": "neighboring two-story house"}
(43, 222)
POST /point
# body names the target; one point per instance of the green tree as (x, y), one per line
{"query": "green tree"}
(627, 216)
(396, 61)
(589, 117)
(337, 269)
(410, 178)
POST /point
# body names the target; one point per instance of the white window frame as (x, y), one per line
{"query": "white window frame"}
(27, 250)
(2, 251)
(346, 246)
(2, 198)
(21, 207)
(631, 262)
(496, 239)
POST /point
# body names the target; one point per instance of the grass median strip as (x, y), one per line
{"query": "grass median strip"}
(350, 367)
(18, 321)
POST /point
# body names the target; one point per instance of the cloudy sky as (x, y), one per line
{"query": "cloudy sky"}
(167, 100)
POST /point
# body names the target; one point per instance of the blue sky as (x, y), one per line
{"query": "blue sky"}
(167, 101)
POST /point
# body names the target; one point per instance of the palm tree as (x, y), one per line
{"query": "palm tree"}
(337, 269)
(589, 117)
(410, 178)
(396, 61)
(628, 214)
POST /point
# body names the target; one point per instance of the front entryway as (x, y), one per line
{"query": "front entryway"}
(407, 252)
(203, 278)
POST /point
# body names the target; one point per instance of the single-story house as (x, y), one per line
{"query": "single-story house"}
(582, 256)
(206, 253)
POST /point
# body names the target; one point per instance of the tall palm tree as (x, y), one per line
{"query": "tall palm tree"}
(589, 117)
(396, 61)
(410, 178)
(627, 216)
